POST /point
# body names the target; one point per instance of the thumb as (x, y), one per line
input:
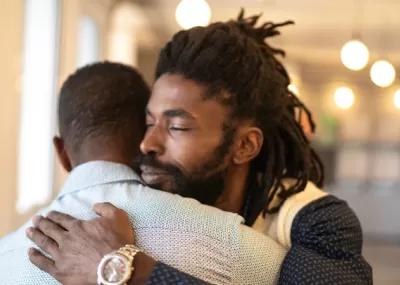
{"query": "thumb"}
(106, 210)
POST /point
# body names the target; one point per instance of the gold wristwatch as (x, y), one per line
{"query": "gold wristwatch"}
(116, 268)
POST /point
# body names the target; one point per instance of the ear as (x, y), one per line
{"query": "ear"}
(305, 125)
(62, 153)
(249, 141)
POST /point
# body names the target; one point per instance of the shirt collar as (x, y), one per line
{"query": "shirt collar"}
(96, 173)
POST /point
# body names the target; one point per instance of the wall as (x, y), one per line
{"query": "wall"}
(11, 26)
(147, 63)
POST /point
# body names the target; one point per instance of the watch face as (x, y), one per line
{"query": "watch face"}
(114, 270)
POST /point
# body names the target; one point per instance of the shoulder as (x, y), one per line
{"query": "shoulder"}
(16, 240)
(16, 268)
(15, 265)
(326, 246)
(259, 258)
(331, 218)
(279, 225)
(149, 208)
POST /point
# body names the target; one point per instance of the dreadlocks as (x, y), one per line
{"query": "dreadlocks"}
(232, 58)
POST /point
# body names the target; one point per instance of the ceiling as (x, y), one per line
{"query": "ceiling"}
(322, 27)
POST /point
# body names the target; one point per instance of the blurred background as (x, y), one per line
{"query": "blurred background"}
(342, 57)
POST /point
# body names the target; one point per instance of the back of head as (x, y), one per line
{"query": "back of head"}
(101, 109)
(240, 70)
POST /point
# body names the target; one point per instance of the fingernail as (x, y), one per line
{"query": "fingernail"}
(29, 232)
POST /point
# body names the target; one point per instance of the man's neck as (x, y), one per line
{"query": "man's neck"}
(111, 149)
(235, 189)
(109, 156)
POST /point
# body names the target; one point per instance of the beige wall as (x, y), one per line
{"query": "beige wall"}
(11, 26)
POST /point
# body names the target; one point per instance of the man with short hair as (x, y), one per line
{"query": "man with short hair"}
(100, 115)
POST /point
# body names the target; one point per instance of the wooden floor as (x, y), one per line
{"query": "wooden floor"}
(384, 257)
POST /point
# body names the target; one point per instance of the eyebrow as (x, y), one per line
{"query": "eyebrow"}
(171, 113)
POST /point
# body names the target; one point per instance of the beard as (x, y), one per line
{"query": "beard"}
(206, 184)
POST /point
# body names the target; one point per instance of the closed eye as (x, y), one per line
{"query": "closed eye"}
(179, 129)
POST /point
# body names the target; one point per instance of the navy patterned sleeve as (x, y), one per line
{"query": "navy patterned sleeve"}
(163, 274)
(326, 247)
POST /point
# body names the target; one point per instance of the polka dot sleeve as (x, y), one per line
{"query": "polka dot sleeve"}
(326, 247)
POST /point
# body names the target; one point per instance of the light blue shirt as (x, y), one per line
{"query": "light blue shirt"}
(200, 240)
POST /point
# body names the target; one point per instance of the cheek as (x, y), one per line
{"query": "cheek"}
(191, 154)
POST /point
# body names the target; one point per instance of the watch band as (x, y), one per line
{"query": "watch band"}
(129, 251)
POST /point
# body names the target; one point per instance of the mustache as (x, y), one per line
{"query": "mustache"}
(151, 160)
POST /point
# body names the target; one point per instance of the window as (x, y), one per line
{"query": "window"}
(40, 66)
(88, 41)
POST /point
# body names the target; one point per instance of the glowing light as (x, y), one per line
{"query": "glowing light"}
(382, 73)
(355, 55)
(192, 13)
(293, 89)
(344, 97)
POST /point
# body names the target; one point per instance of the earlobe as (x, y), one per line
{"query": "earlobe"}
(249, 145)
(62, 154)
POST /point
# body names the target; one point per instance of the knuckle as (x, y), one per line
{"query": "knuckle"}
(47, 226)
(77, 224)
(120, 213)
(64, 241)
(58, 217)
(62, 217)
(39, 262)
(43, 241)
(112, 214)
(101, 226)
(53, 248)
(59, 276)
(62, 267)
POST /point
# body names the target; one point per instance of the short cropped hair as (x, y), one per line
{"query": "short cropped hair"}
(102, 99)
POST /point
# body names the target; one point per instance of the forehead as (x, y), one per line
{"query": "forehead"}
(175, 92)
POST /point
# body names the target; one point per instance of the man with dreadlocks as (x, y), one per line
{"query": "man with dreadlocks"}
(221, 128)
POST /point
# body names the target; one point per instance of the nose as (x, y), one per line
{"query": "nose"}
(153, 141)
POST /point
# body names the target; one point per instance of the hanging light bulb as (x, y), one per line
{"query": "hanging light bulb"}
(396, 99)
(355, 55)
(293, 89)
(192, 13)
(382, 73)
(344, 97)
